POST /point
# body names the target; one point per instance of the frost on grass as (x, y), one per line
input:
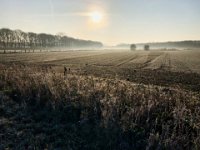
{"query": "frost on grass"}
(40, 108)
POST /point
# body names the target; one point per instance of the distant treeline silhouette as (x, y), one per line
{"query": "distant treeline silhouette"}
(19, 40)
(177, 44)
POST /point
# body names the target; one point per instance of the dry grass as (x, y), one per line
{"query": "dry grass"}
(43, 109)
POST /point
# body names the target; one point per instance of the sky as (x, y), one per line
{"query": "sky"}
(117, 21)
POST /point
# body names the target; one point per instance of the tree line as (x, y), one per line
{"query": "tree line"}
(167, 45)
(29, 41)
(177, 44)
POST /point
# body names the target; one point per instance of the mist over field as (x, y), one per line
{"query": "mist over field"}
(113, 75)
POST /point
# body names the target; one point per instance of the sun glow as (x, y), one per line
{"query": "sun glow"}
(96, 16)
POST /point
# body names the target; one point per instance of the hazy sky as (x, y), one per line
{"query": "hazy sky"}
(123, 21)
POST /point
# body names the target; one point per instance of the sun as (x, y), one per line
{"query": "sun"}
(96, 16)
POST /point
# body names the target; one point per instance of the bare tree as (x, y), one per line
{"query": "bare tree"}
(6, 38)
(133, 47)
(2, 41)
(146, 47)
(32, 40)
